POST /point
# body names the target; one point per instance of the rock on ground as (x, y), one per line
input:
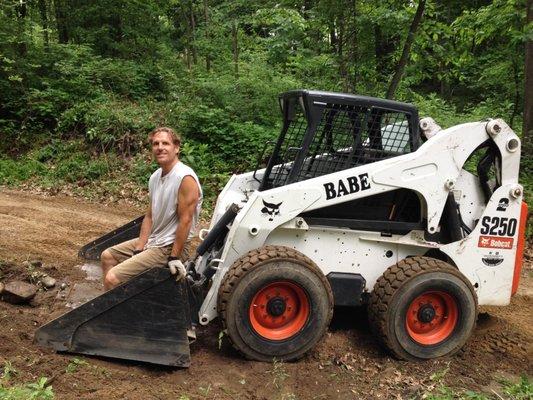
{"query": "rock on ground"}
(18, 292)
(48, 282)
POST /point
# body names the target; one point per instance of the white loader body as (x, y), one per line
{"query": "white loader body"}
(433, 171)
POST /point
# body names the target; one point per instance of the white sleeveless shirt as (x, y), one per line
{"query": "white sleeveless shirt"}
(164, 200)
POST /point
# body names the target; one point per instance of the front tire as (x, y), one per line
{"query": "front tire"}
(423, 308)
(275, 303)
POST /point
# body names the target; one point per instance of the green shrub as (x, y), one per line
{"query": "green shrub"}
(236, 142)
(140, 168)
(80, 168)
(110, 123)
(431, 105)
(30, 391)
(211, 169)
(16, 171)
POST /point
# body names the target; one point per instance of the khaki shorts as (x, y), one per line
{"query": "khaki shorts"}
(131, 265)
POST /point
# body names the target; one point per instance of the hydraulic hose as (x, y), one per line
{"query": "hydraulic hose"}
(219, 230)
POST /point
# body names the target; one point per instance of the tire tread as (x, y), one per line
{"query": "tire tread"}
(254, 259)
(391, 280)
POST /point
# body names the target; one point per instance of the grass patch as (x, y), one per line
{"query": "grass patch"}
(75, 364)
(71, 167)
(521, 390)
(278, 373)
(39, 390)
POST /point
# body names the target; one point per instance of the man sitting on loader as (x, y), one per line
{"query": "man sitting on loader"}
(175, 202)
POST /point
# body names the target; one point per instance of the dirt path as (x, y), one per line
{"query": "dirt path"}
(347, 364)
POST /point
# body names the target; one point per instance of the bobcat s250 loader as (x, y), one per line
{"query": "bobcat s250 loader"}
(353, 208)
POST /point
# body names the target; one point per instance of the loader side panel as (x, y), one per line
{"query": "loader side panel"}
(487, 255)
(337, 250)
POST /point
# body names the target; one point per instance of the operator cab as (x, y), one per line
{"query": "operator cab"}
(325, 132)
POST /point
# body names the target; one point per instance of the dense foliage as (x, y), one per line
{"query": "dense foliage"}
(81, 83)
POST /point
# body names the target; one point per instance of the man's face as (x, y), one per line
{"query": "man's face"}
(163, 148)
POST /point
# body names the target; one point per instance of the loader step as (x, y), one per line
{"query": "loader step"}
(145, 319)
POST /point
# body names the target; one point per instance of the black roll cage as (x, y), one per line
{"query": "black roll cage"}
(320, 109)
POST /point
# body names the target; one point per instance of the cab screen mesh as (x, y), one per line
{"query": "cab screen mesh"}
(346, 136)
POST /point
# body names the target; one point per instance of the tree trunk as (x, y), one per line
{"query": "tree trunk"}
(61, 21)
(188, 58)
(353, 47)
(378, 49)
(193, 33)
(44, 21)
(406, 49)
(527, 131)
(332, 35)
(341, 23)
(115, 23)
(207, 36)
(514, 113)
(235, 41)
(307, 6)
(22, 12)
(188, 38)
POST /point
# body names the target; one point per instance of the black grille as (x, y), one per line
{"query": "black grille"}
(346, 136)
(290, 147)
(326, 132)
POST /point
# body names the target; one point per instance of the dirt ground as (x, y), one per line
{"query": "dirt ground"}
(347, 364)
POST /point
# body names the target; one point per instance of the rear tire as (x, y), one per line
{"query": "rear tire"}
(422, 308)
(275, 303)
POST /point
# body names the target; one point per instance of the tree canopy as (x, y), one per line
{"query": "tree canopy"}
(101, 74)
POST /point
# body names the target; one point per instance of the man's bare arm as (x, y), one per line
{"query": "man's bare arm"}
(146, 228)
(188, 195)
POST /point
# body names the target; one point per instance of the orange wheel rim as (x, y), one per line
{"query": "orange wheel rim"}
(432, 317)
(279, 310)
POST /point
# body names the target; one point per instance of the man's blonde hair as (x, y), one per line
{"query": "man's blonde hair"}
(176, 139)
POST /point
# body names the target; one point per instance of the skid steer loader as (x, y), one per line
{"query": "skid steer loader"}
(354, 207)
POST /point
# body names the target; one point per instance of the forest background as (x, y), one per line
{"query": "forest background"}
(83, 82)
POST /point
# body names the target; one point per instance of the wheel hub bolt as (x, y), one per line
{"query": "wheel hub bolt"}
(426, 313)
(276, 306)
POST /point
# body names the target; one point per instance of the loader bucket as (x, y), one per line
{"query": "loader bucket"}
(92, 250)
(145, 319)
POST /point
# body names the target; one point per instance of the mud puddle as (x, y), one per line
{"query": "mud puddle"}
(91, 287)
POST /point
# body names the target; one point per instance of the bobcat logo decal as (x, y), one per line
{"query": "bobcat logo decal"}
(270, 209)
(484, 241)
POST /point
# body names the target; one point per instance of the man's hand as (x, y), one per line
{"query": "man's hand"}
(176, 268)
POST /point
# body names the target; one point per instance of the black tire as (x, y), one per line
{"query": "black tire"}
(437, 324)
(299, 291)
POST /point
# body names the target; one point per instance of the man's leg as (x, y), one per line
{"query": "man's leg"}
(113, 256)
(111, 280)
(149, 258)
(107, 261)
